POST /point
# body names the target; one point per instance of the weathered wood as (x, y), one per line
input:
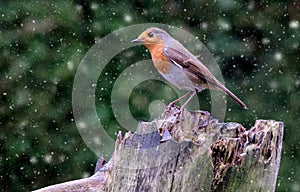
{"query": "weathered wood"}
(203, 155)
(87, 184)
(257, 164)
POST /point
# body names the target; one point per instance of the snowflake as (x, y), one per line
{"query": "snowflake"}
(128, 18)
(278, 56)
(294, 24)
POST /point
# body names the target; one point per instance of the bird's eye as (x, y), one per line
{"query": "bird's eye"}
(150, 34)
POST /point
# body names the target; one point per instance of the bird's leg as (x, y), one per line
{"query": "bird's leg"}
(189, 99)
(180, 113)
(180, 98)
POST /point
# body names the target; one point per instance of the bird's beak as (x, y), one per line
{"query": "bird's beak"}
(136, 41)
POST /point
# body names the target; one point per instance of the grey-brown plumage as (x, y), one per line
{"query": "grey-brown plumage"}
(180, 67)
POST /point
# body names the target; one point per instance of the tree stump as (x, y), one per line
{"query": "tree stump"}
(202, 155)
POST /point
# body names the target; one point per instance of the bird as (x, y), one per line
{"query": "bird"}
(179, 66)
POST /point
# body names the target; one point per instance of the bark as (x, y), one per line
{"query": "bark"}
(202, 155)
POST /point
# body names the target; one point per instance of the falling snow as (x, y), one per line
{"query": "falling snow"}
(255, 44)
(294, 24)
(278, 56)
(224, 24)
(70, 65)
(48, 158)
(265, 40)
(128, 18)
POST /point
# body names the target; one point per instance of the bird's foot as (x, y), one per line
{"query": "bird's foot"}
(171, 105)
(179, 115)
(172, 115)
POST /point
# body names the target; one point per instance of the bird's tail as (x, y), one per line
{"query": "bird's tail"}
(241, 103)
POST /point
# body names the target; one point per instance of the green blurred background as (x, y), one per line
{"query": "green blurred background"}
(255, 43)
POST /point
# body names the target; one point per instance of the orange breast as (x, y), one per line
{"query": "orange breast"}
(161, 62)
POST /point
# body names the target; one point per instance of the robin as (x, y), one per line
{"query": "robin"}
(180, 67)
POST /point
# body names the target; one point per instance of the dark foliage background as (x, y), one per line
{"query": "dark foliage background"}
(255, 43)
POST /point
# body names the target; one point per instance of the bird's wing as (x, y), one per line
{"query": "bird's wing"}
(197, 70)
(189, 63)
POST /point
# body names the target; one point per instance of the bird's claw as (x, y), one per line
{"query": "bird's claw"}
(171, 105)
(179, 115)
